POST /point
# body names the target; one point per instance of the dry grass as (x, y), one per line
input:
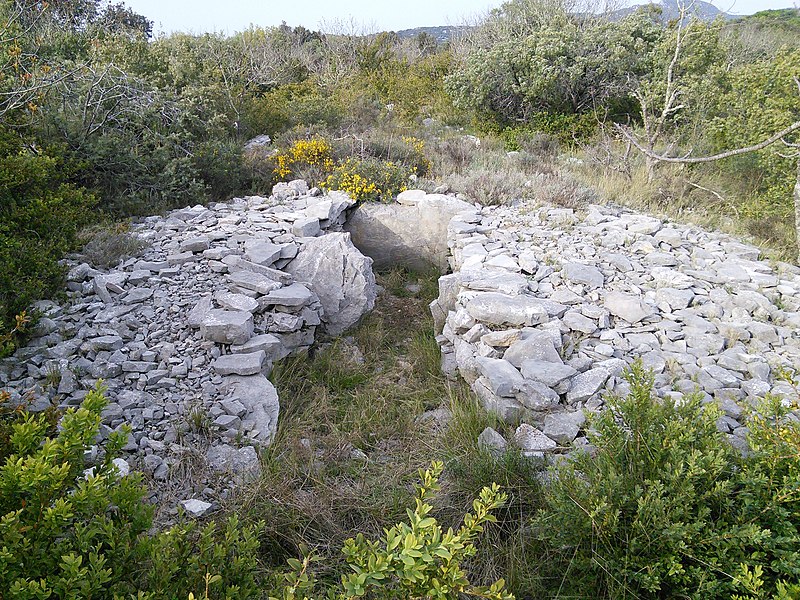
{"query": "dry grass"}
(350, 439)
(105, 246)
(706, 197)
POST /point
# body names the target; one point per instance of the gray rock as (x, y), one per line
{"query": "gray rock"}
(564, 427)
(537, 346)
(413, 234)
(227, 326)
(267, 343)
(630, 308)
(306, 227)
(260, 399)
(293, 295)
(531, 440)
(240, 302)
(504, 380)
(537, 396)
(249, 363)
(549, 373)
(199, 312)
(196, 508)
(239, 461)
(586, 275)
(194, 244)
(137, 295)
(585, 385)
(253, 281)
(491, 441)
(264, 253)
(577, 322)
(500, 309)
(340, 276)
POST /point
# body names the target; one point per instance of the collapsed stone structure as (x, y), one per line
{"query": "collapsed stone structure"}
(546, 307)
(185, 336)
(543, 310)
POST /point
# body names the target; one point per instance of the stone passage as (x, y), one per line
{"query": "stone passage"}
(546, 307)
(185, 336)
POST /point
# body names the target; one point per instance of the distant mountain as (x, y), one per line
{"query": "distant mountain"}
(442, 34)
(670, 11)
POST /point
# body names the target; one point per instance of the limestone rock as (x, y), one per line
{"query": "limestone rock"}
(412, 234)
(340, 276)
(227, 326)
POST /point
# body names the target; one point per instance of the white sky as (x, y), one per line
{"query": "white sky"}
(378, 15)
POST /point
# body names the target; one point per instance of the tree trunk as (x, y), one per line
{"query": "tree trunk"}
(797, 209)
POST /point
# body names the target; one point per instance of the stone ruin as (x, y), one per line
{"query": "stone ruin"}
(542, 311)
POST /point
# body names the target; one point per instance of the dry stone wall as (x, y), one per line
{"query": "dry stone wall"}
(185, 336)
(546, 307)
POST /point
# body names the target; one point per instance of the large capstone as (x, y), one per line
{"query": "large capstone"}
(340, 276)
(411, 233)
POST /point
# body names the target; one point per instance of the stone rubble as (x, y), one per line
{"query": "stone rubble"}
(546, 307)
(185, 336)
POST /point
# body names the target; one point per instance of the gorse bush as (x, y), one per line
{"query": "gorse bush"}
(665, 507)
(369, 179)
(312, 157)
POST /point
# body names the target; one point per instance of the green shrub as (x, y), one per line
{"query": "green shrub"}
(40, 217)
(66, 534)
(181, 557)
(62, 533)
(413, 560)
(665, 507)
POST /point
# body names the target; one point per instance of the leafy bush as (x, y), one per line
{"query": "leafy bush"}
(72, 535)
(40, 217)
(63, 533)
(413, 560)
(665, 506)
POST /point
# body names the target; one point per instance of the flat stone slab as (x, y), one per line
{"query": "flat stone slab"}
(137, 295)
(231, 301)
(537, 345)
(628, 307)
(587, 275)
(227, 326)
(265, 253)
(250, 363)
(502, 309)
(253, 281)
(292, 295)
(267, 343)
(550, 374)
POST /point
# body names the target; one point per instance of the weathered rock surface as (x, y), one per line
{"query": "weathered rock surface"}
(340, 276)
(410, 233)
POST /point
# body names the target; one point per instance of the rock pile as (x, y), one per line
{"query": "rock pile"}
(185, 336)
(546, 308)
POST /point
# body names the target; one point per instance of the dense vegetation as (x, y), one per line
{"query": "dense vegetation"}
(99, 121)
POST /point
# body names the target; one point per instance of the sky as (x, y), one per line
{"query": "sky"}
(230, 16)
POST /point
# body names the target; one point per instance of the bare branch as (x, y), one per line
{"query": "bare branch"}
(686, 160)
